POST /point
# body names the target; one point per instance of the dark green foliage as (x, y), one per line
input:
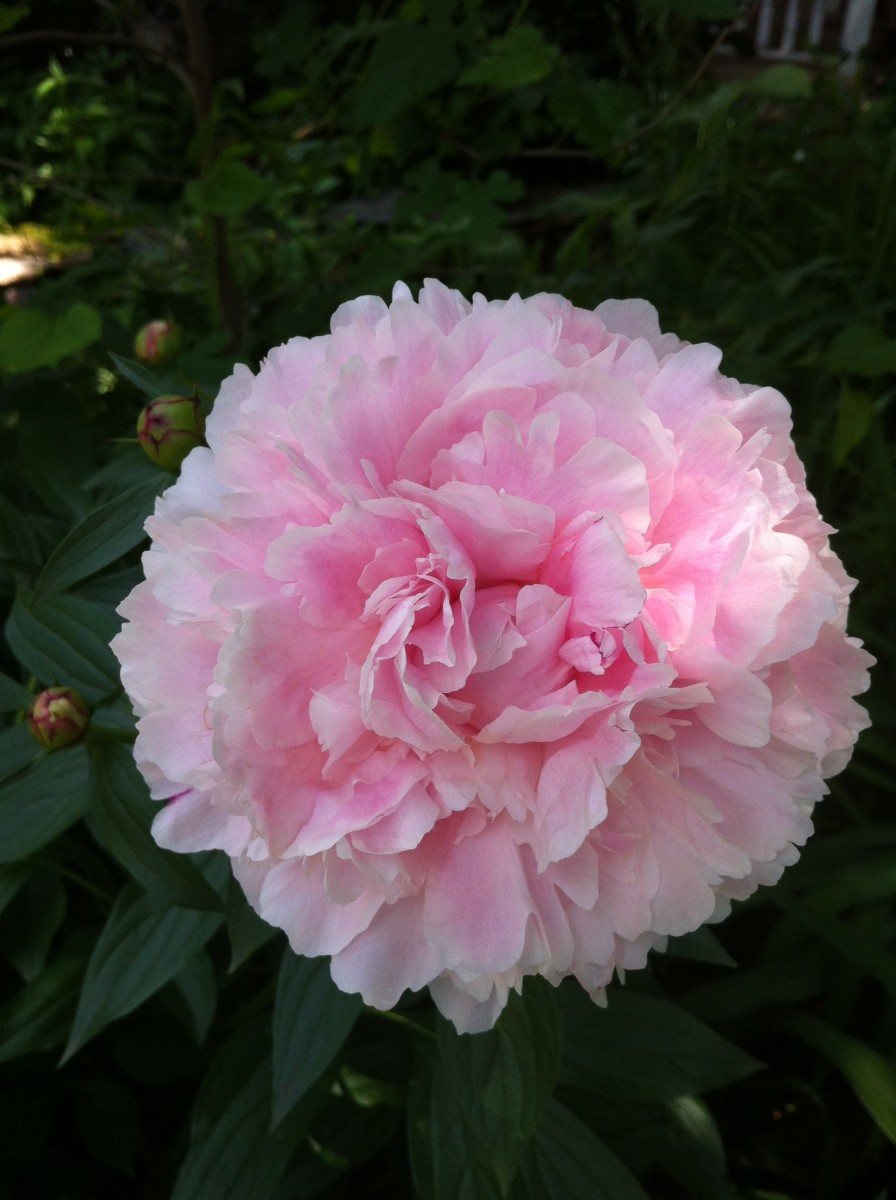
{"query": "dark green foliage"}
(156, 1039)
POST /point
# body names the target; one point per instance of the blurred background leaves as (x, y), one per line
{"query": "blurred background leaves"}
(241, 172)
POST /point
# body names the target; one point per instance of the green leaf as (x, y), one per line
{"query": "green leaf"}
(783, 81)
(229, 189)
(871, 878)
(871, 1077)
(142, 947)
(107, 533)
(56, 447)
(475, 1100)
(128, 467)
(21, 541)
(38, 1017)
(693, 1152)
(41, 801)
(18, 750)
(408, 64)
(245, 928)
(141, 377)
(566, 1159)
(312, 1019)
(30, 339)
(65, 640)
(855, 413)
(11, 14)
(768, 985)
(12, 877)
(700, 946)
(520, 58)
(108, 1119)
(644, 1048)
(76, 329)
(861, 350)
(867, 953)
(13, 695)
(198, 989)
(233, 1154)
(595, 111)
(31, 921)
(121, 815)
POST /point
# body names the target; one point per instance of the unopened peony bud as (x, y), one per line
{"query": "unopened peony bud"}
(157, 342)
(169, 428)
(58, 717)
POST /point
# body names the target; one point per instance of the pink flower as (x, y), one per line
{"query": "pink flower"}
(491, 640)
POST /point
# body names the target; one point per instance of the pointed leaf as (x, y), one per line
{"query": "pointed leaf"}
(867, 953)
(700, 946)
(693, 1152)
(65, 639)
(233, 1154)
(38, 1017)
(18, 750)
(121, 814)
(141, 377)
(142, 946)
(644, 1048)
(476, 1099)
(12, 877)
(29, 925)
(245, 928)
(768, 985)
(101, 537)
(871, 1077)
(41, 801)
(567, 1159)
(312, 1019)
(198, 990)
(13, 695)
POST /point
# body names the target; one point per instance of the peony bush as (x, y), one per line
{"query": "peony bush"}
(491, 639)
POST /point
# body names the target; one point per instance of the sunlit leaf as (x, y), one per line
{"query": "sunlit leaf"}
(30, 339)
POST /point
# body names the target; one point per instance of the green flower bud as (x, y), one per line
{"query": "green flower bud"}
(157, 342)
(169, 428)
(58, 717)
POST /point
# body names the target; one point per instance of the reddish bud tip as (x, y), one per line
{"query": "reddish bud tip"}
(58, 717)
(157, 342)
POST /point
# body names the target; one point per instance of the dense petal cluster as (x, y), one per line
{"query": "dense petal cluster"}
(491, 639)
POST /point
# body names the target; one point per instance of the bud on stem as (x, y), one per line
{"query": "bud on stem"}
(157, 342)
(169, 428)
(58, 717)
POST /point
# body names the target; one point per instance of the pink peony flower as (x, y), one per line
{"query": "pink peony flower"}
(491, 640)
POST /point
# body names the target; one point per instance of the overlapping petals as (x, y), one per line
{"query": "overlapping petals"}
(491, 639)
